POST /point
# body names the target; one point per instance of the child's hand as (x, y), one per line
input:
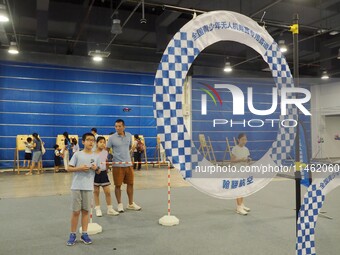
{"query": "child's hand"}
(96, 169)
(84, 168)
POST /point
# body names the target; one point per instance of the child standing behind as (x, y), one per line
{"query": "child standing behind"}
(28, 151)
(75, 145)
(66, 150)
(240, 155)
(57, 158)
(138, 149)
(102, 179)
(83, 164)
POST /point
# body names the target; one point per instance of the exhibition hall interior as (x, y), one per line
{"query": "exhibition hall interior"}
(169, 127)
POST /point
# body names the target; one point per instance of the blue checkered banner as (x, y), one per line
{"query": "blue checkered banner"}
(310, 209)
(182, 50)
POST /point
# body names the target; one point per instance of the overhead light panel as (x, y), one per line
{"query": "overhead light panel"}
(282, 46)
(338, 54)
(324, 75)
(98, 55)
(3, 14)
(13, 48)
(227, 67)
(97, 58)
(334, 32)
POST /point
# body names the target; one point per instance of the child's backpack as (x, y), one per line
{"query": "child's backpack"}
(140, 146)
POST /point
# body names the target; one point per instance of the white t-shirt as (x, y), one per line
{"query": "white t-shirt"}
(103, 157)
(28, 147)
(75, 148)
(240, 153)
(83, 180)
(57, 153)
(94, 148)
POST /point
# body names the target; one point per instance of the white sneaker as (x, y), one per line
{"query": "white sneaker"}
(120, 208)
(245, 208)
(241, 211)
(111, 211)
(28, 173)
(98, 211)
(134, 207)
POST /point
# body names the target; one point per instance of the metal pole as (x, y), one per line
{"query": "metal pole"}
(295, 31)
(169, 190)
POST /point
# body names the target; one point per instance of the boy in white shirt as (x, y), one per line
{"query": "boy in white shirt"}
(28, 151)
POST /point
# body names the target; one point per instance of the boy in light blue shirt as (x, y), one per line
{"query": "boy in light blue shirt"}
(83, 164)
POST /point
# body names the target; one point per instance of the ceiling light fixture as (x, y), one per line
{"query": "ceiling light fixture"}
(227, 67)
(338, 54)
(3, 14)
(97, 58)
(98, 55)
(334, 32)
(324, 75)
(282, 46)
(13, 48)
(321, 31)
(116, 27)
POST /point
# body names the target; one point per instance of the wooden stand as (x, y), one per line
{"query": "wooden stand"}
(206, 147)
(20, 146)
(228, 148)
(158, 154)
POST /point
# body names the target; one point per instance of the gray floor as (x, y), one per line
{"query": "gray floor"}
(39, 225)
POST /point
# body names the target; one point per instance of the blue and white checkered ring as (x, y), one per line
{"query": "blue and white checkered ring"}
(177, 59)
(309, 211)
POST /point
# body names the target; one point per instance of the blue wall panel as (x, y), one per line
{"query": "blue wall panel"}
(51, 99)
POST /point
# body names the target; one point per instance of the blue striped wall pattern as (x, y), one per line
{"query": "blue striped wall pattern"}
(50, 100)
(259, 139)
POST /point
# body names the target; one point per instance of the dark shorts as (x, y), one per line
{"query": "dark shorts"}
(28, 156)
(101, 179)
(57, 161)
